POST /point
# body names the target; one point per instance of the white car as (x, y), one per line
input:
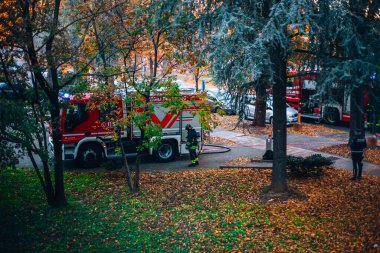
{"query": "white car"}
(291, 113)
(221, 100)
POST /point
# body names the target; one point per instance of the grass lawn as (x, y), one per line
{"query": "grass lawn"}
(203, 210)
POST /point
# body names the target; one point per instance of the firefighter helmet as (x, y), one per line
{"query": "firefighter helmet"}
(188, 127)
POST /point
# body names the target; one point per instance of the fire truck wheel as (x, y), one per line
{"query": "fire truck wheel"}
(331, 115)
(165, 152)
(318, 121)
(90, 155)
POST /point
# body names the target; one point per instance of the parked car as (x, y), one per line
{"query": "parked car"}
(249, 98)
(187, 90)
(221, 100)
(7, 91)
(5, 88)
(291, 113)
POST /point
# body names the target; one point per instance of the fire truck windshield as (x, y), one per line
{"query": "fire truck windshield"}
(76, 114)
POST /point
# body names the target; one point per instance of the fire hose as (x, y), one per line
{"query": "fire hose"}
(222, 149)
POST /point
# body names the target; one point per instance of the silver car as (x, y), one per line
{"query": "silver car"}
(221, 100)
(291, 113)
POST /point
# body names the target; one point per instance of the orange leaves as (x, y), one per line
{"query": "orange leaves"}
(10, 19)
(239, 161)
(218, 140)
(229, 122)
(371, 154)
(313, 130)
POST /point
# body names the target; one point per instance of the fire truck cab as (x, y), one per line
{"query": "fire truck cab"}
(87, 132)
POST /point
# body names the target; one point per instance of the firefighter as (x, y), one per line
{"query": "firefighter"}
(192, 145)
(357, 145)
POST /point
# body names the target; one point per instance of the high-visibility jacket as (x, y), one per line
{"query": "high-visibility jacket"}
(191, 139)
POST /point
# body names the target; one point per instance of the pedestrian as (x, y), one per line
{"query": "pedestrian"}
(357, 145)
(192, 145)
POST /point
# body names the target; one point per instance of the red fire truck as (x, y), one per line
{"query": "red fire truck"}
(302, 94)
(87, 133)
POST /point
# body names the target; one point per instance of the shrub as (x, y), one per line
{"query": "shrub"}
(318, 160)
(8, 156)
(310, 166)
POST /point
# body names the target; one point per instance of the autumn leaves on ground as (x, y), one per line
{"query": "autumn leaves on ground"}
(206, 210)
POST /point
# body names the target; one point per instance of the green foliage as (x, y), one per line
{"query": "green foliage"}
(8, 156)
(310, 166)
(18, 130)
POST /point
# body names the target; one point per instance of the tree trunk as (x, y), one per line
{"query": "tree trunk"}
(125, 164)
(196, 78)
(51, 93)
(49, 184)
(279, 182)
(136, 182)
(138, 163)
(60, 199)
(136, 185)
(46, 187)
(260, 108)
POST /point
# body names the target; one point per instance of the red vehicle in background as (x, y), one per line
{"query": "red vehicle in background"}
(87, 132)
(334, 107)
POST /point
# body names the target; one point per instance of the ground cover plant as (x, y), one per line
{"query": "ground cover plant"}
(205, 210)
(303, 167)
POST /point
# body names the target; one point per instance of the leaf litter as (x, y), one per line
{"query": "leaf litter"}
(371, 154)
(213, 206)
